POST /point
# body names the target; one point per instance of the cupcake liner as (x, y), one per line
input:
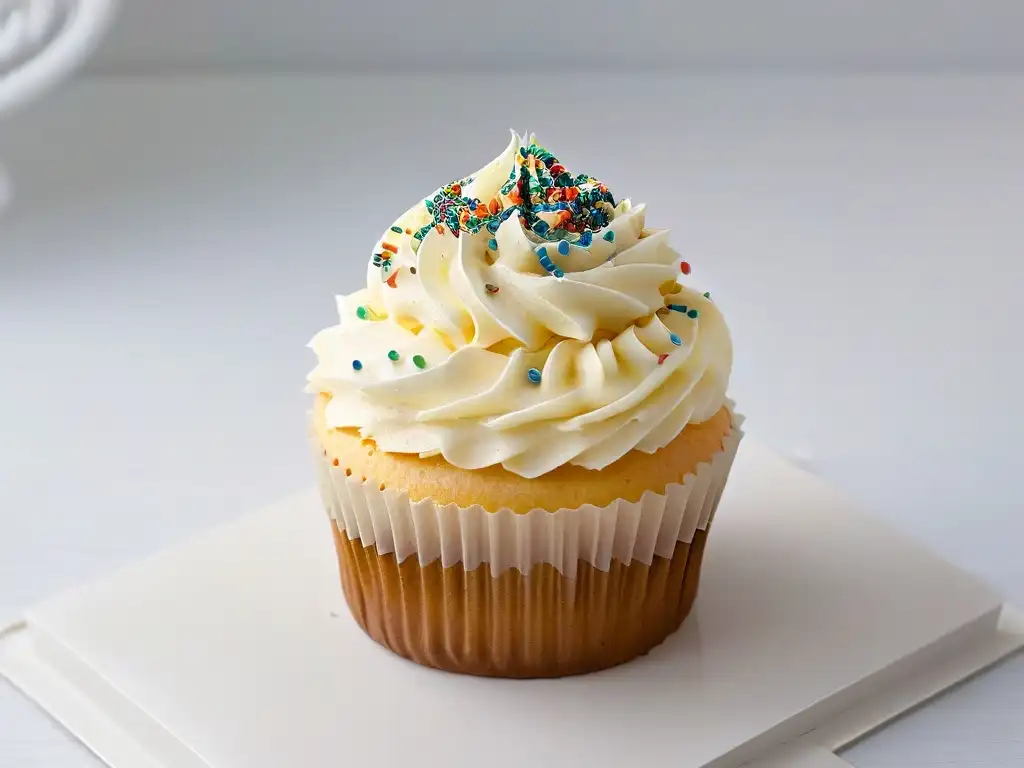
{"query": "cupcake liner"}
(541, 594)
(511, 625)
(623, 531)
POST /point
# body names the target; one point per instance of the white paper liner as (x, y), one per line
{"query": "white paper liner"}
(623, 530)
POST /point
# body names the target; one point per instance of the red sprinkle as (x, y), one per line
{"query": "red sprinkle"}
(389, 247)
(684, 267)
(662, 359)
(391, 280)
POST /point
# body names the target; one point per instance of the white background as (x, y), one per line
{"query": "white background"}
(174, 242)
(583, 35)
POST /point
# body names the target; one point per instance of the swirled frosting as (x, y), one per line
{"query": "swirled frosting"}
(522, 317)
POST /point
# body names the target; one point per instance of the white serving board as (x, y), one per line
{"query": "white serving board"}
(814, 625)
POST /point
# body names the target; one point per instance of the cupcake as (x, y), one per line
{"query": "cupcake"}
(521, 427)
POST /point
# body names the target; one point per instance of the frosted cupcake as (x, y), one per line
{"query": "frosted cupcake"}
(521, 427)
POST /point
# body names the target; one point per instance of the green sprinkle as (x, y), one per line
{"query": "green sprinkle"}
(419, 362)
(707, 295)
(393, 355)
(694, 313)
(609, 236)
(397, 230)
(362, 313)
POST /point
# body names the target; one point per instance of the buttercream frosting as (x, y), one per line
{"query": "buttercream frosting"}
(522, 317)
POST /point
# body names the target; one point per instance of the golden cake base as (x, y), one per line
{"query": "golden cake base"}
(541, 625)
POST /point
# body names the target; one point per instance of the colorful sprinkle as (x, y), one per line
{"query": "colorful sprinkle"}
(389, 247)
(397, 230)
(357, 365)
(675, 339)
(707, 294)
(492, 244)
(694, 313)
(662, 359)
(609, 236)
(362, 313)
(563, 247)
(419, 362)
(533, 375)
(490, 287)
(391, 280)
(678, 308)
(684, 267)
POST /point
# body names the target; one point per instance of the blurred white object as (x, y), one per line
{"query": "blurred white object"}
(41, 43)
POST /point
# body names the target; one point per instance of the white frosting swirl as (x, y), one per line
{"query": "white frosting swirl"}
(613, 378)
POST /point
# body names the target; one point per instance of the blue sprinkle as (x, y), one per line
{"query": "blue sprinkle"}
(542, 252)
(609, 236)
(541, 228)
(678, 308)
(547, 264)
(357, 365)
(558, 273)
(492, 244)
(533, 375)
(563, 247)
(586, 238)
(675, 339)
(492, 225)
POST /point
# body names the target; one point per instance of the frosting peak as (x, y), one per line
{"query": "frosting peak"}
(521, 316)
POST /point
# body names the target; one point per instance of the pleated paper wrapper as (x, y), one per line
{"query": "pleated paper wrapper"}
(522, 595)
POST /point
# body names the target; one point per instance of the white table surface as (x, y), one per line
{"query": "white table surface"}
(173, 244)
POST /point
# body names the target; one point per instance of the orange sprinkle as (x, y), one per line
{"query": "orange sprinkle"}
(391, 280)
(335, 462)
(494, 206)
(408, 231)
(389, 247)
(440, 229)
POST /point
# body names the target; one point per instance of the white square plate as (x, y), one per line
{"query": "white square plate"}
(814, 624)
